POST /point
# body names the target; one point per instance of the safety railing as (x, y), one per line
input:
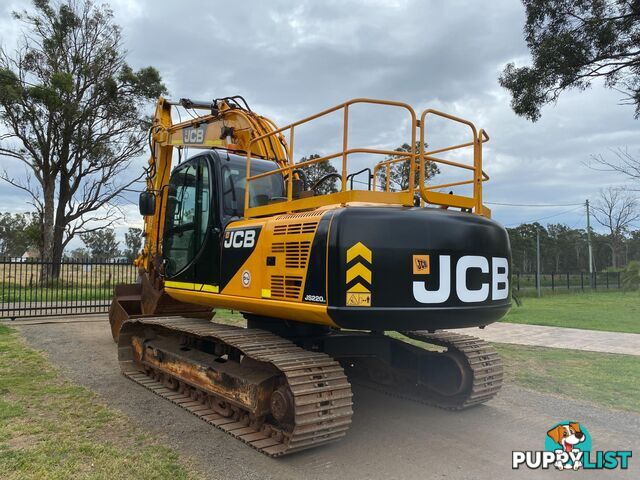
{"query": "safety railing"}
(416, 160)
(428, 193)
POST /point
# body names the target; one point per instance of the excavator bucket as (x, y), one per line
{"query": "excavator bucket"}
(140, 300)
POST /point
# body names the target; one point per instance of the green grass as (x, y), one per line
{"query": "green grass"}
(53, 429)
(229, 317)
(16, 293)
(609, 311)
(599, 378)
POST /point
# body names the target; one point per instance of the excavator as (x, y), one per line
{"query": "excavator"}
(361, 283)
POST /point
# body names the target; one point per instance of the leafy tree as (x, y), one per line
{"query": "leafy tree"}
(523, 245)
(574, 42)
(564, 249)
(399, 172)
(632, 246)
(79, 254)
(73, 112)
(133, 240)
(316, 171)
(18, 233)
(101, 243)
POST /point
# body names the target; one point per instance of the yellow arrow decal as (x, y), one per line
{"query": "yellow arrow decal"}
(358, 288)
(358, 249)
(359, 270)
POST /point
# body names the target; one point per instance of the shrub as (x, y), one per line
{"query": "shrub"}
(631, 276)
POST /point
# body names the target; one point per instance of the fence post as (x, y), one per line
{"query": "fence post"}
(618, 280)
(595, 280)
(568, 286)
(606, 276)
(582, 281)
(518, 281)
(553, 285)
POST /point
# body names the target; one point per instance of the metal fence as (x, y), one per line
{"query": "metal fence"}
(567, 281)
(29, 289)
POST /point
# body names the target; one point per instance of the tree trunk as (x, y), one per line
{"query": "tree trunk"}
(48, 219)
(56, 254)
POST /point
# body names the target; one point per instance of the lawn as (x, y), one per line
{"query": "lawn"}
(600, 378)
(50, 428)
(63, 293)
(610, 311)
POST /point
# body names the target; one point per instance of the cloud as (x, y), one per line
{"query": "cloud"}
(290, 59)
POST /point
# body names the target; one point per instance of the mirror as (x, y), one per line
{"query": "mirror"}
(147, 203)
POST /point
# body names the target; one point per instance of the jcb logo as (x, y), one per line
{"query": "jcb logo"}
(240, 239)
(495, 289)
(193, 134)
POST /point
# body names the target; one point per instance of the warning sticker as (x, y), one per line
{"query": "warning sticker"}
(357, 299)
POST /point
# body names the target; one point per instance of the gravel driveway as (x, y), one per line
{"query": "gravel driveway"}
(389, 439)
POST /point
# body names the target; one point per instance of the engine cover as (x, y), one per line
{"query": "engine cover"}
(394, 268)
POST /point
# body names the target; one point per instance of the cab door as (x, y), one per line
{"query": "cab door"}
(191, 244)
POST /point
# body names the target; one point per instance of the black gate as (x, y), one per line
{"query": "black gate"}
(28, 288)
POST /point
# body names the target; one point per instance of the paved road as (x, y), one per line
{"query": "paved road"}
(536, 335)
(389, 439)
(558, 337)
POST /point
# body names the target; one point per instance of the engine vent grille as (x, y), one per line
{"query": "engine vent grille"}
(295, 228)
(296, 253)
(286, 286)
(299, 215)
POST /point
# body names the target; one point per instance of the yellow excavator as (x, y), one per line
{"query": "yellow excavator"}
(339, 287)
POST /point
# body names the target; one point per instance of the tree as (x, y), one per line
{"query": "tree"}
(316, 171)
(399, 171)
(73, 111)
(574, 42)
(101, 243)
(624, 163)
(617, 211)
(18, 233)
(79, 254)
(133, 240)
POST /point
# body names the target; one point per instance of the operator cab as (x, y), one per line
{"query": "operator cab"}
(205, 194)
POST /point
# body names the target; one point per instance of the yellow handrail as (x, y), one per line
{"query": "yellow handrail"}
(415, 158)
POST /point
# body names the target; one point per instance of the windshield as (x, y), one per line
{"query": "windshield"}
(234, 183)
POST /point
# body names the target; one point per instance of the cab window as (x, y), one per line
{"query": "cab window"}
(187, 215)
(261, 192)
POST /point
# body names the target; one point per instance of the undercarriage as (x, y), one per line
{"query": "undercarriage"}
(286, 387)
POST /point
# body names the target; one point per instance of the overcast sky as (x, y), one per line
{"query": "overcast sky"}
(293, 58)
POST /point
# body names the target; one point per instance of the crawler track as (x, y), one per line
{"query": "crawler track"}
(483, 361)
(481, 364)
(321, 392)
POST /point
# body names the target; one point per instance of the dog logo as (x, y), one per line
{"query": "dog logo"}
(567, 436)
(567, 446)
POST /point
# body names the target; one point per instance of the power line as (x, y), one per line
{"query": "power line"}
(535, 205)
(548, 216)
